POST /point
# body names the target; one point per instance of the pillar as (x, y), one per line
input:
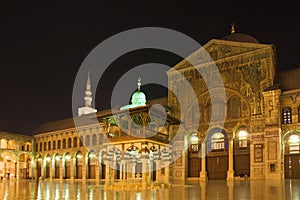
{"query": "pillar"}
(97, 170)
(72, 168)
(60, 169)
(167, 173)
(107, 173)
(230, 172)
(144, 172)
(203, 173)
(51, 168)
(157, 162)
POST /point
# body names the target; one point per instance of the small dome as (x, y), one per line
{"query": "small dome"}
(240, 37)
(138, 98)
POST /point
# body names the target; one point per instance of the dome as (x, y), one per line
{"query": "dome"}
(240, 37)
(138, 98)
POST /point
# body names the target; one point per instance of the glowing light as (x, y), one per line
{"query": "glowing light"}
(217, 136)
(67, 157)
(194, 139)
(48, 158)
(79, 156)
(92, 155)
(57, 157)
(294, 139)
(242, 134)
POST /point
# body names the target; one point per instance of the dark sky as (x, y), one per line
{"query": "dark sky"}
(43, 46)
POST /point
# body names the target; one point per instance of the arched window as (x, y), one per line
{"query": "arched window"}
(194, 143)
(287, 115)
(81, 141)
(87, 140)
(75, 142)
(101, 136)
(58, 144)
(94, 139)
(64, 144)
(69, 143)
(45, 146)
(41, 146)
(36, 147)
(234, 107)
(54, 145)
(294, 142)
(27, 147)
(243, 137)
(49, 146)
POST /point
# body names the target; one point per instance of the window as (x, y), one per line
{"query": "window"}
(41, 146)
(45, 146)
(217, 141)
(234, 108)
(101, 137)
(58, 144)
(87, 140)
(69, 143)
(243, 135)
(27, 147)
(94, 139)
(64, 145)
(75, 142)
(194, 143)
(294, 142)
(287, 115)
(49, 146)
(37, 147)
(54, 145)
(81, 141)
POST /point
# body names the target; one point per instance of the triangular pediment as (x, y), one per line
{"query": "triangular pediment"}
(216, 50)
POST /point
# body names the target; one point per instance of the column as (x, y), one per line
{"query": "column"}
(167, 173)
(72, 166)
(230, 172)
(144, 172)
(133, 170)
(203, 174)
(17, 171)
(107, 173)
(97, 170)
(157, 162)
(60, 168)
(51, 169)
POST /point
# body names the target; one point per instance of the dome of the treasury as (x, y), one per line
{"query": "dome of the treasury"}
(138, 98)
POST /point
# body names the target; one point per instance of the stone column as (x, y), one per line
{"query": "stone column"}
(107, 173)
(167, 173)
(60, 169)
(42, 168)
(72, 168)
(17, 171)
(157, 162)
(230, 172)
(203, 173)
(144, 172)
(51, 168)
(133, 170)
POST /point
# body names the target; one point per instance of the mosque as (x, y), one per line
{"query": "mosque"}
(259, 138)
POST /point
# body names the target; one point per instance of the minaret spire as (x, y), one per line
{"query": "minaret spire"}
(88, 93)
(139, 84)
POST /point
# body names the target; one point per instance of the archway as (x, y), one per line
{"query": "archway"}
(78, 165)
(292, 155)
(24, 164)
(241, 152)
(67, 166)
(91, 164)
(57, 160)
(47, 166)
(194, 161)
(217, 157)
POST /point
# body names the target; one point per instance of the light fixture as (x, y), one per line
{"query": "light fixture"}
(294, 139)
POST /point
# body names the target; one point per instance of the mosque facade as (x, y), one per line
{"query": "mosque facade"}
(258, 138)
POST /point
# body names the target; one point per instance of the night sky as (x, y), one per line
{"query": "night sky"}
(43, 46)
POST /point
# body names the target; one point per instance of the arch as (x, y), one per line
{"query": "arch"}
(67, 160)
(64, 143)
(56, 165)
(194, 160)
(216, 139)
(12, 144)
(24, 160)
(21, 145)
(91, 164)
(94, 139)
(54, 145)
(75, 142)
(49, 146)
(291, 144)
(79, 159)
(87, 140)
(47, 164)
(59, 144)
(69, 142)
(39, 160)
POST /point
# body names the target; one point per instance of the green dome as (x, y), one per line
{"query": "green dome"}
(138, 98)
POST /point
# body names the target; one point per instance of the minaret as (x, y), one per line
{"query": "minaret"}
(88, 93)
(87, 109)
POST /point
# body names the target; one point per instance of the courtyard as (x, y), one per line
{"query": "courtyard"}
(210, 190)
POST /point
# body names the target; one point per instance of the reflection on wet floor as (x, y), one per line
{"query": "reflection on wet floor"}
(213, 189)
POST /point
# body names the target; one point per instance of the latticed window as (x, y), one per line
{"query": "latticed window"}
(287, 115)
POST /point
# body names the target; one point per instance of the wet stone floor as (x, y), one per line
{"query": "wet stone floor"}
(210, 190)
